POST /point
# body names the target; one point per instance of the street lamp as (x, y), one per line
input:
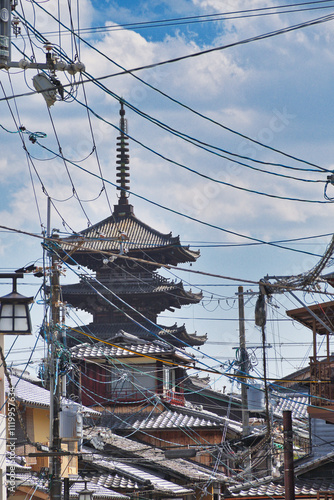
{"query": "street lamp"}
(14, 310)
(14, 320)
(85, 494)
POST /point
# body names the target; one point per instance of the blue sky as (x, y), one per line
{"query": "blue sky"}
(278, 91)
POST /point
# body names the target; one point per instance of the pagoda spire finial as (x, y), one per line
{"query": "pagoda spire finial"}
(123, 175)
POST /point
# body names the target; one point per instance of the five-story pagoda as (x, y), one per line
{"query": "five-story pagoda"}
(127, 294)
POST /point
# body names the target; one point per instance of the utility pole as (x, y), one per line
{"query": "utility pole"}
(243, 362)
(244, 372)
(289, 478)
(55, 393)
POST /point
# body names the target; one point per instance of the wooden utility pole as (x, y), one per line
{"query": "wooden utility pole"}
(289, 478)
(55, 392)
(56, 482)
(243, 362)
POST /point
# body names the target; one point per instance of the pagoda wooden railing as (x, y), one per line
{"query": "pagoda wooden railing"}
(322, 382)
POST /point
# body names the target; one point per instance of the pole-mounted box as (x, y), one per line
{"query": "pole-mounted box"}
(5, 33)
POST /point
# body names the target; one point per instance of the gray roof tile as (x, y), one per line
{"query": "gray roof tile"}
(145, 454)
(271, 488)
(33, 395)
(103, 350)
(99, 492)
(139, 476)
(105, 237)
(296, 403)
(174, 418)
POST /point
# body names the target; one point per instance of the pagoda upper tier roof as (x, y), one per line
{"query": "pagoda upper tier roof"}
(175, 335)
(174, 290)
(122, 232)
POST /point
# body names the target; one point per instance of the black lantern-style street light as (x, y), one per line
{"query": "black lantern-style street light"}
(14, 320)
(14, 310)
(85, 494)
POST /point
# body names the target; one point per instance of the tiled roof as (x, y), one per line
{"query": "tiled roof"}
(127, 287)
(99, 492)
(291, 401)
(26, 392)
(102, 350)
(178, 336)
(309, 463)
(105, 236)
(36, 396)
(12, 464)
(147, 455)
(114, 481)
(80, 294)
(270, 488)
(173, 418)
(139, 476)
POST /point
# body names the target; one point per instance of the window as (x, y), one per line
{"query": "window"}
(169, 380)
(131, 382)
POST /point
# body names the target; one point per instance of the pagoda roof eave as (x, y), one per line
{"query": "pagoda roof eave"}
(129, 234)
(178, 291)
(177, 336)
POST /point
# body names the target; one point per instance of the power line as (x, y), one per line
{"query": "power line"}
(259, 37)
(210, 149)
(180, 103)
(194, 219)
(206, 18)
